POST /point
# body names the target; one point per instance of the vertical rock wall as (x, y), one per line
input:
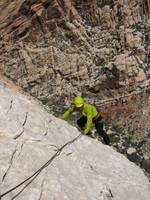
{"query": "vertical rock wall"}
(56, 49)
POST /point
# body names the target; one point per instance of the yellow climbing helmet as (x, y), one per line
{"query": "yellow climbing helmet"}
(78, 101)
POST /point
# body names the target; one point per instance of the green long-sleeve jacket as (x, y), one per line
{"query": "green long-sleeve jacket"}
(88, 111)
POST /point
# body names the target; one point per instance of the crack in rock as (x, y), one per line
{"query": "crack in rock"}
(21, 147)
(42, 186)
(111, 194)
(56, 147)
(47, 127)
(107, 194)
(10, 107)
(45, 134)
(17, 136)
(25, 121)
(10, 165)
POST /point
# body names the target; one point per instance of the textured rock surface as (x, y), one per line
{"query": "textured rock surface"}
(52, 50)
(86, 169)
(55, 49)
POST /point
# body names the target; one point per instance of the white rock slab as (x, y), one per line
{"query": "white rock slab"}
(84, 170)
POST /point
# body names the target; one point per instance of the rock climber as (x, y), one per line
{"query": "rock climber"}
(89, 115)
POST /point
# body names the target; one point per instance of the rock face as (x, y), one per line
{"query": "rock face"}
(85, 169)
(55, 49)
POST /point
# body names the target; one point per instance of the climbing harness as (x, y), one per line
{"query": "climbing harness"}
(35, 174)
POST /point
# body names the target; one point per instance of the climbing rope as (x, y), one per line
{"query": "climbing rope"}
(35, 174)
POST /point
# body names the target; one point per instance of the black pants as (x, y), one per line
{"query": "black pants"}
(98, 125)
